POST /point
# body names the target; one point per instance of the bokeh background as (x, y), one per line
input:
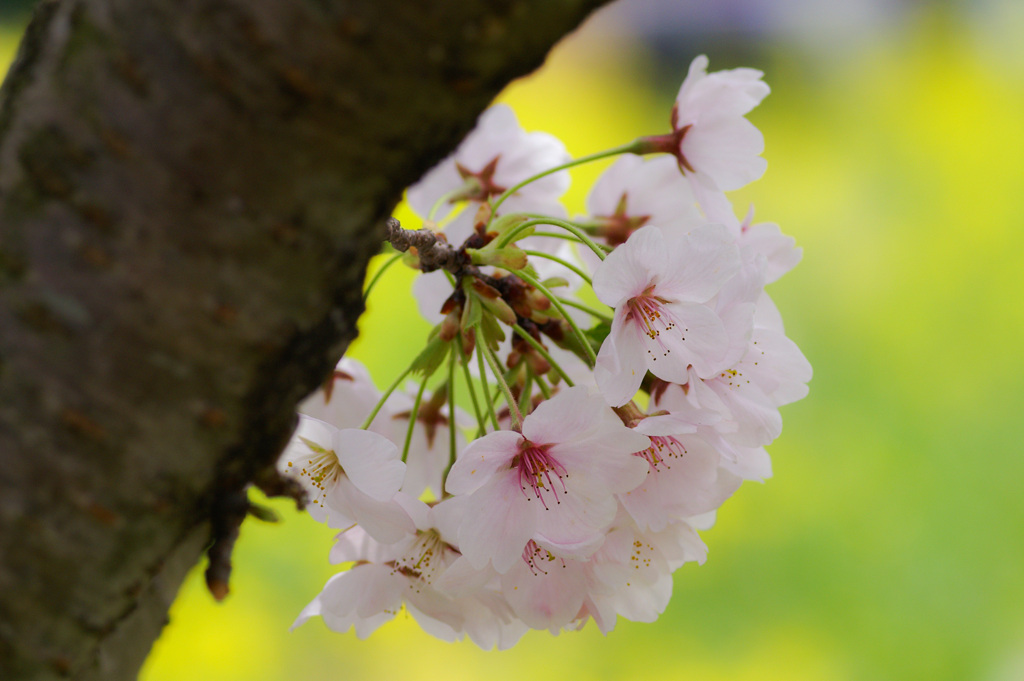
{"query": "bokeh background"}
(890, 543)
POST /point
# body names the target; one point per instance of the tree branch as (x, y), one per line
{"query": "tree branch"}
(189, 193)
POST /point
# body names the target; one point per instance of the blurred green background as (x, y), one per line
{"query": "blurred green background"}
(890, 543)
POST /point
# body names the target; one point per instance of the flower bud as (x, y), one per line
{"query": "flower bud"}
(500, 309)
(509, 257)
(507, 222)
(450, 325)
(482, 217)
(468, 341)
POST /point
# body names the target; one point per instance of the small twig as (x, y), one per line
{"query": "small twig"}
(273, 484)
(230, 508)
(434, 252)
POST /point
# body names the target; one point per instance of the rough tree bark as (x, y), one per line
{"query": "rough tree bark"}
(189, 193)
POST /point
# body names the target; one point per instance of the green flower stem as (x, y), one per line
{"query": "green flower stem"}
(513, 233)
(385, 396)
(586, 308)
(376, 277)
(483, 380)
(464, 361)
(569, 237)
(413, 414)
(564, 263)
(525, 335)
(537, 219)
(580, 234)
(591, 227)
(525, 397)
(513, 408)
(452, 453)
(544, 389)
(589, 351)
(632, 147)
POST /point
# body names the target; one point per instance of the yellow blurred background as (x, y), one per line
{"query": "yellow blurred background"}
(890, 543)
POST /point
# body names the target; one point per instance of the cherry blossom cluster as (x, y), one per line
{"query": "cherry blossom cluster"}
(593, 390)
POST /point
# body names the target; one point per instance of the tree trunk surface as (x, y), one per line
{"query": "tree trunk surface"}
(189, 193)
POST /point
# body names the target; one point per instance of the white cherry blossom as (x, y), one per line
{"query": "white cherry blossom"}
(388, 577)
(631, 575)
(347, 397)
(350, 476)
(659, 282)
(385, 579)
(429, 447)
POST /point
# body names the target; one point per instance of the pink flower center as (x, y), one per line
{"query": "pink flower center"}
(535, 557)
(647, 313)
(540, 472)
(662, 450)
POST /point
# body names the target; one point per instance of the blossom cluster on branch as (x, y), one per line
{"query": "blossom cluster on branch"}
(593, 390)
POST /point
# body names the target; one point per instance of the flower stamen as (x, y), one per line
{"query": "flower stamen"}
(424, 559)
(534, 556)
(539, 471)
(648, 314)
(662, 450)
(322, 469)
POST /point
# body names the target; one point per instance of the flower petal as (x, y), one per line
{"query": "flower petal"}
(371, 461)
(498, 523)
(699, 263)
(481, 460)
(621, 362)
(631, 268)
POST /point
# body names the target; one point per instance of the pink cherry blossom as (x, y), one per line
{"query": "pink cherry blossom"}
(545, 591)
(659, 283)
(718, 146)
(684, 478)
(715, 146)
(766, 240)
(385, 578)
(583, 509)
(635, 191)
(553, 483)
(773, 372)
(629, 575)
(497, 155)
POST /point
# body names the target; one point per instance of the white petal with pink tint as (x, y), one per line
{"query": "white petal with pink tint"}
(554, 482)
(658, 282)
(720, 145)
